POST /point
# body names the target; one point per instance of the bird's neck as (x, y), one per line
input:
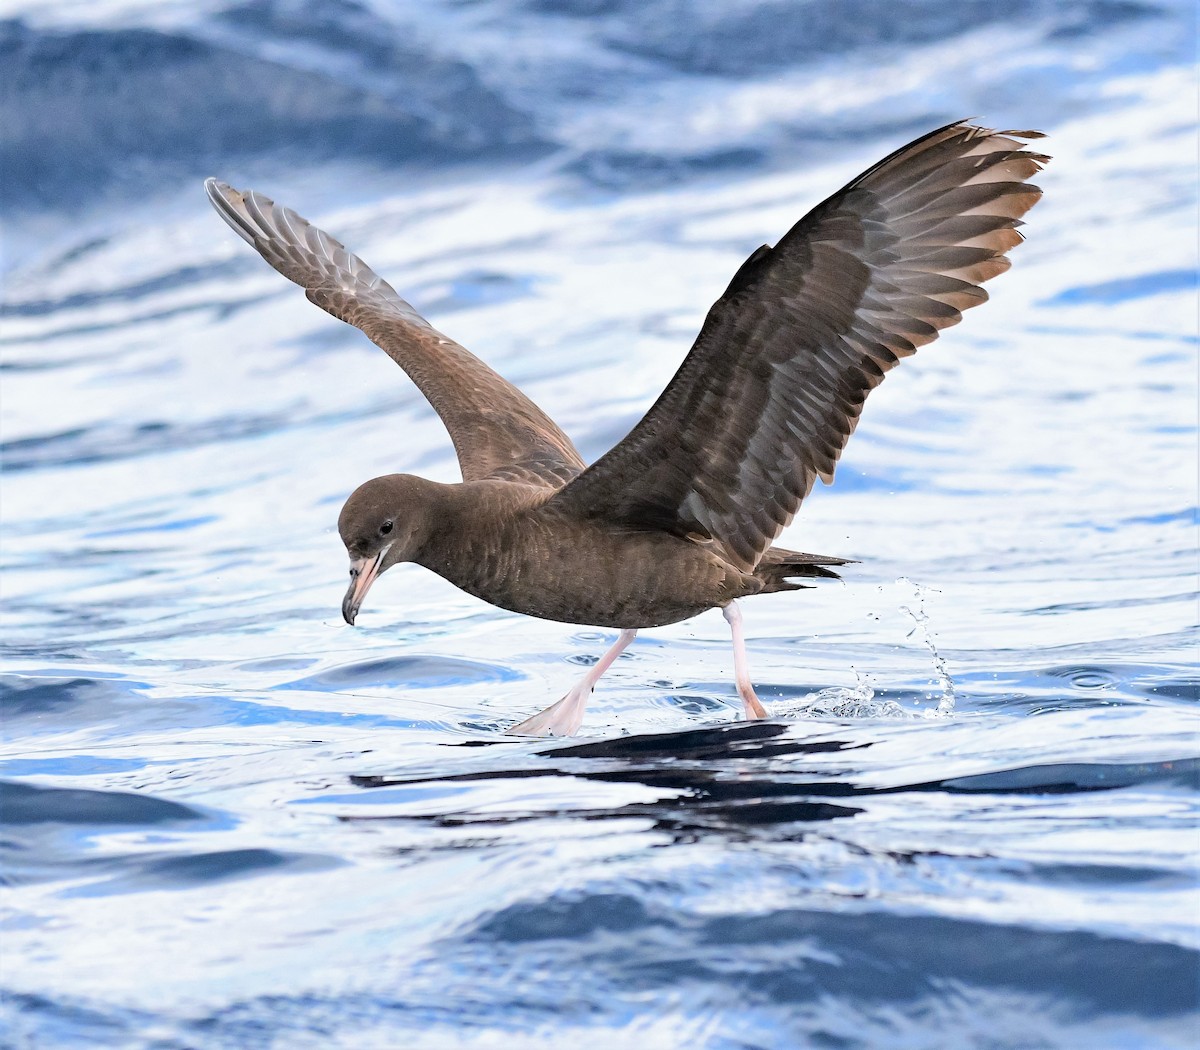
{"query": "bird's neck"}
(470, 527)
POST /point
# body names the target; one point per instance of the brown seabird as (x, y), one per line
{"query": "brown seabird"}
(680, 515)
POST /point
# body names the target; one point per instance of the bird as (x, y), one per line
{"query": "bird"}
(681, 515)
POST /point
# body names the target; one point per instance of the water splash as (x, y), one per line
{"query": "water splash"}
(920, 619)
(857, 701)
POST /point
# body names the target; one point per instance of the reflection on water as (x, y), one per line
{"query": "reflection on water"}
(232, 821)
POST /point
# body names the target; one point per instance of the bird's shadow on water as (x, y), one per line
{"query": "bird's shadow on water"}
(738, 781)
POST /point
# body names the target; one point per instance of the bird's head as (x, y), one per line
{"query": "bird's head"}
(382, 523)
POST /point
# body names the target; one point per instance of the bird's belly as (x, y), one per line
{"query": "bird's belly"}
(640, 581)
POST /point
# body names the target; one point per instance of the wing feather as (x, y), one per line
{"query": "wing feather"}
(497, 431)
(775, 383)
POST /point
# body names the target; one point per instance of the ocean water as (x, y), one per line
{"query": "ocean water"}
(230, 820)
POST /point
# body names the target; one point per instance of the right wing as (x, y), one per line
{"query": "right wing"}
(497, 431)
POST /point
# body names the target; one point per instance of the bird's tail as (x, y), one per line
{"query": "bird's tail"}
(779, 567)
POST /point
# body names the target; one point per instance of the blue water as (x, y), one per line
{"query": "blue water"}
(232, 821)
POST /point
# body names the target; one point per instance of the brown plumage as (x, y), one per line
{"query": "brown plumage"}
(680, 515)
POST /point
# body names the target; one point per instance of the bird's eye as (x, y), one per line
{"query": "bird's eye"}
(385, 528)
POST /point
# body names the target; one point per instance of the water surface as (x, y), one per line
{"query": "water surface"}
(232, 821)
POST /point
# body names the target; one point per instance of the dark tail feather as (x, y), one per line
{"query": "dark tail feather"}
(779, 567)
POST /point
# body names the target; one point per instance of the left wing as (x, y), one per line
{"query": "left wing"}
(772, 389)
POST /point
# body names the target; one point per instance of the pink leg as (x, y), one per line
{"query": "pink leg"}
(563, 718)
(754, 707)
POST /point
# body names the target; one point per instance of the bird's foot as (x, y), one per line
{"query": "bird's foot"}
(565, 717)
(754, 707)
(559, 719)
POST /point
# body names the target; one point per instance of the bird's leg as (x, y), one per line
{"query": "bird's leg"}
(564, 717)
(754, 707)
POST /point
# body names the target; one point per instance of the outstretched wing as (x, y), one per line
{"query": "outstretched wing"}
(772, 389)
(497, 431)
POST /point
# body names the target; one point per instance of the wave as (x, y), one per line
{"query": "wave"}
(112, 111)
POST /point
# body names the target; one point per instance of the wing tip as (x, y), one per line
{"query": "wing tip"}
(230, 205)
